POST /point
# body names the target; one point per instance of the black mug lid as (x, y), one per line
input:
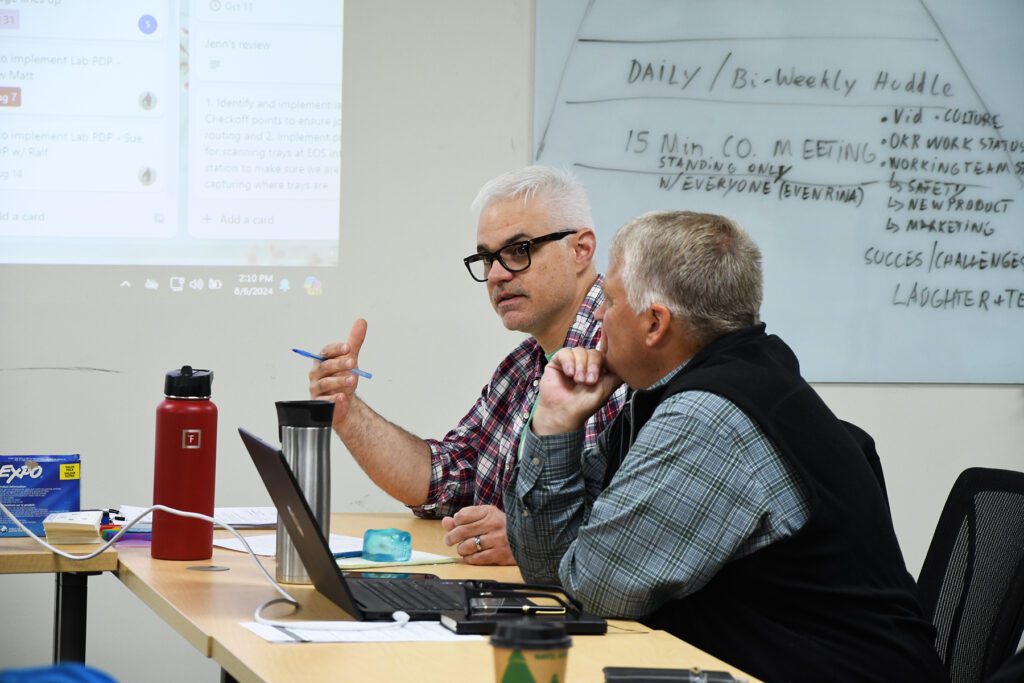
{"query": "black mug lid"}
(188, 382)
(531, 634)
(304, 413)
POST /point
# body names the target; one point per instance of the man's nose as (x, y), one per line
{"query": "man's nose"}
(499, 273)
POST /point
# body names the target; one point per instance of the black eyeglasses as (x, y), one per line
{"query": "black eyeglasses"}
(514, 258)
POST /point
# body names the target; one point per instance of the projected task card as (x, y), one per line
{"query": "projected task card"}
(166, 133)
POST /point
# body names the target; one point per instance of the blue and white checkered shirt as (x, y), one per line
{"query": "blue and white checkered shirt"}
(701, 486)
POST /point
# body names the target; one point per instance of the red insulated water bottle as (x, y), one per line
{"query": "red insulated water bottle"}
(186, 466)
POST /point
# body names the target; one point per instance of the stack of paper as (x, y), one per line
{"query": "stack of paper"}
(73, 527)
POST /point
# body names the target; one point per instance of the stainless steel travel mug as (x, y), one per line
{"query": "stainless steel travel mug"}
(304, 428)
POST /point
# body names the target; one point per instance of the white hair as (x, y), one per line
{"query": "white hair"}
(702, 267)
(560, 191)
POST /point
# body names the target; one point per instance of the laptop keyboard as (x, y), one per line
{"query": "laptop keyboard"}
(414, 595)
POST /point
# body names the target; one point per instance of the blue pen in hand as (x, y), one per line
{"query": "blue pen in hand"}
(354, 371)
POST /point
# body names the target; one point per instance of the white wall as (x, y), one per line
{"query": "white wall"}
(436, 101)
(926, 435)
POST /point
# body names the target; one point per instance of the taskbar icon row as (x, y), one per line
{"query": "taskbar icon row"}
(262, 284)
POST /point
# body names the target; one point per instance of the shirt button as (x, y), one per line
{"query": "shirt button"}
(526, 513)
(536, 461)
(536, 382)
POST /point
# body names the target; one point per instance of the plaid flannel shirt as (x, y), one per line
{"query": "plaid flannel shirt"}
(473, 463)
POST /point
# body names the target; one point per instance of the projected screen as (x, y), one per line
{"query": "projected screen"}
(162, 133)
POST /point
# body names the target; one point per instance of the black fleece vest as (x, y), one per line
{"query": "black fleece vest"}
(834, 602)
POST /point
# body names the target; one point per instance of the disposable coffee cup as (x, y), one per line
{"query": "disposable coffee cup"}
(530, 650)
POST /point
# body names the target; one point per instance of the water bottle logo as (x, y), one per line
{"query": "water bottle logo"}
(191, 439)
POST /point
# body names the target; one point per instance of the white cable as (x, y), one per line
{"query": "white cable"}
(129, 525)
(401, 618)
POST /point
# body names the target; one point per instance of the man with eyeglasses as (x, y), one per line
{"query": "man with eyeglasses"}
(535, 251)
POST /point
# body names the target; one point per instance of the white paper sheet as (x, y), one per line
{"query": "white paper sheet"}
(266, 544)
(414, 631)
(238, 517)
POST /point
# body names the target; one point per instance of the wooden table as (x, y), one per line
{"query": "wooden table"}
(25, 556)
(207, 608)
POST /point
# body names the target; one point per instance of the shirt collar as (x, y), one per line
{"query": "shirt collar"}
(584, 322)
(672, 373)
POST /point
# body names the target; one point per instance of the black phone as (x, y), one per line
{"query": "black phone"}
(388, 575)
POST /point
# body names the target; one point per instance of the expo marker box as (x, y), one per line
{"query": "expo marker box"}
(33, 486)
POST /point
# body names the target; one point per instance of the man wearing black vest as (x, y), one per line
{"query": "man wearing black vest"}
(726, 504)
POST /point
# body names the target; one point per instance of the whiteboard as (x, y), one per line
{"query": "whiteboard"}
(874, 150)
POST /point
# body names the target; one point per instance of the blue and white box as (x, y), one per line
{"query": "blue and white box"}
(33, 486)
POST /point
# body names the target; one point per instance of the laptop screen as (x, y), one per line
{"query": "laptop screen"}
(298, 519)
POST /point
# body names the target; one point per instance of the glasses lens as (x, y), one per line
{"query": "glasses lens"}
(516, 256)
(478, 269)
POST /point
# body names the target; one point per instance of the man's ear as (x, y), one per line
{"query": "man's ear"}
(584, 248)
(659, 320)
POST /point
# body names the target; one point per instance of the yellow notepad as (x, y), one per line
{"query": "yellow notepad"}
(418, 557)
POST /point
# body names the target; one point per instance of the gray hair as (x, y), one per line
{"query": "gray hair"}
(702, 267)
(561, 192)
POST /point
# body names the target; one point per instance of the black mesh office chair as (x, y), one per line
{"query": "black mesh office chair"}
(972, 581)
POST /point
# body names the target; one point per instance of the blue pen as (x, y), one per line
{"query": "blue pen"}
(348, 553)
(354, 371)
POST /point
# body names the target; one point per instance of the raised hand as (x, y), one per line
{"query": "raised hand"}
(332, 379)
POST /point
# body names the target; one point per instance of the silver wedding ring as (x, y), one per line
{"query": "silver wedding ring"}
(476, 542)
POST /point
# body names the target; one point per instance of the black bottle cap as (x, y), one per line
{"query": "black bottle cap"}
(304, 413)
(188, 383)
(531, 634)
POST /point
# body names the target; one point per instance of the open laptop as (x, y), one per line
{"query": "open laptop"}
(363, 599)
(376, 599)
